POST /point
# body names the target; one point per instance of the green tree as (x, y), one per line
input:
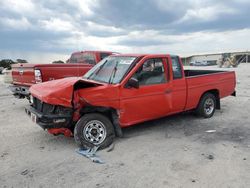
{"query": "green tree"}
(21, 61)
(59, 61)
(6, 63)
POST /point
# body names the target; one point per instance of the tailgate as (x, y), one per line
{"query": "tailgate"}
(23, 74)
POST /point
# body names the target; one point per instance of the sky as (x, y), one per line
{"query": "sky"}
(42, 31)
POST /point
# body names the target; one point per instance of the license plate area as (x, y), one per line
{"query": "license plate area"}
(33, 117)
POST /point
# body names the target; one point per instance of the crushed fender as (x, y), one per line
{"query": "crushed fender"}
(90, 153)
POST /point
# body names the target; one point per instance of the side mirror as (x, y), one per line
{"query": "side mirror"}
(133, 82)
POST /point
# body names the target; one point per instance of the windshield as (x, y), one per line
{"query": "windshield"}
(110, 70)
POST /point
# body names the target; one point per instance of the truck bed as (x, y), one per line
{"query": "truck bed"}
(190, 73)
(199, 81)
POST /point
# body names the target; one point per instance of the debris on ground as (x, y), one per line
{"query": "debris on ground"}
(4, 154)
(111, 147)
(210, 131)
(25, 172)
(90, 153)
(244, 159)
(210, 157)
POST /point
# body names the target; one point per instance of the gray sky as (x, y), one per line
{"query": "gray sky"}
(46, 30)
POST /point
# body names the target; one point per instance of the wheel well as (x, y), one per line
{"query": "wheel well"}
(216, 93)
(111, 113)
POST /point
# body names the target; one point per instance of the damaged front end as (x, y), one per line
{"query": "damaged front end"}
(54, 106)
(54, 118)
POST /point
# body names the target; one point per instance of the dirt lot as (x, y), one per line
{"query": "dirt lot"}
(170, 152)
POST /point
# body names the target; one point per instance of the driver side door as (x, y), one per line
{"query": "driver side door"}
(153, 97)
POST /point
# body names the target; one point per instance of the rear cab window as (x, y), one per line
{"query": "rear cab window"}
(176, 67)
(85, 57)
(89, 58)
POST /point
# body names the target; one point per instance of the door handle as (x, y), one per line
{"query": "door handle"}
(168, 91)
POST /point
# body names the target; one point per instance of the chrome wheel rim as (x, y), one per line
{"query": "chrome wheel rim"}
(94, 132)
(209, 106)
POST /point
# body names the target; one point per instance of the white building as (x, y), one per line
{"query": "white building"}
(242, 57)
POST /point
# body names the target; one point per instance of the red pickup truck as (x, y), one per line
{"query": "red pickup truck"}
(25, 75)
(123, 90)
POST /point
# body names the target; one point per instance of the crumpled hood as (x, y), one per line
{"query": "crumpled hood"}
(56, 92)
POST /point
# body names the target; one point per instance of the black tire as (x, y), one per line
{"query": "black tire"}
(83, 136)
(203, 107)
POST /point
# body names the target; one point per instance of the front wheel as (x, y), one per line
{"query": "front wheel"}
(207, 104)
(94, 130)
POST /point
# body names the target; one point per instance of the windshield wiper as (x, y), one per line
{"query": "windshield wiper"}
(97, 71)
(113, 72)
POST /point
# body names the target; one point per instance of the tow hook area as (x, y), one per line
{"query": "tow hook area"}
(57, 131)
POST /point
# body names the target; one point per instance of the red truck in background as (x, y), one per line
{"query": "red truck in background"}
(25, 75)
(123, 90)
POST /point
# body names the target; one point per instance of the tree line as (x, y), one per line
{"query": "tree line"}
(6, 63)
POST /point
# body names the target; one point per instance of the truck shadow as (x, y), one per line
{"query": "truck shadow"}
(54, 142)
(188, 125)
(182, 123)
(176, 126)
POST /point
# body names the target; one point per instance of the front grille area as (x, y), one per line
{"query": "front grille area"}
(48, 109)
(43, 107)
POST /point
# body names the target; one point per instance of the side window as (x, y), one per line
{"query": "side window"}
(176, 67)
(88, 58)
(151, 72)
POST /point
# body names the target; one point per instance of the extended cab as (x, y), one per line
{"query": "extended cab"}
(25, 75)
(123, 90)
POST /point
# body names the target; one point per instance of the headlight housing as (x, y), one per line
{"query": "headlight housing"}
(31, 99)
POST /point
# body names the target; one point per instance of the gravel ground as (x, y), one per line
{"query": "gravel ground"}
(170, 152)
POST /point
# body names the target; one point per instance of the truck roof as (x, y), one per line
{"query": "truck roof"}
(142, 55)
(95, 51)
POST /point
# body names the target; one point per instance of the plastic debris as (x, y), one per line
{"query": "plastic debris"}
(210, 157)
(25, 172)
(111, 147)
(90, 153)
(210, 131)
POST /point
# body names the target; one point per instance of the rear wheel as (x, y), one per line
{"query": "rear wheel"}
(94, 130)
(207, 104)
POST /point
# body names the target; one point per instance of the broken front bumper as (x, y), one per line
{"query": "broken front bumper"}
(49, 121)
